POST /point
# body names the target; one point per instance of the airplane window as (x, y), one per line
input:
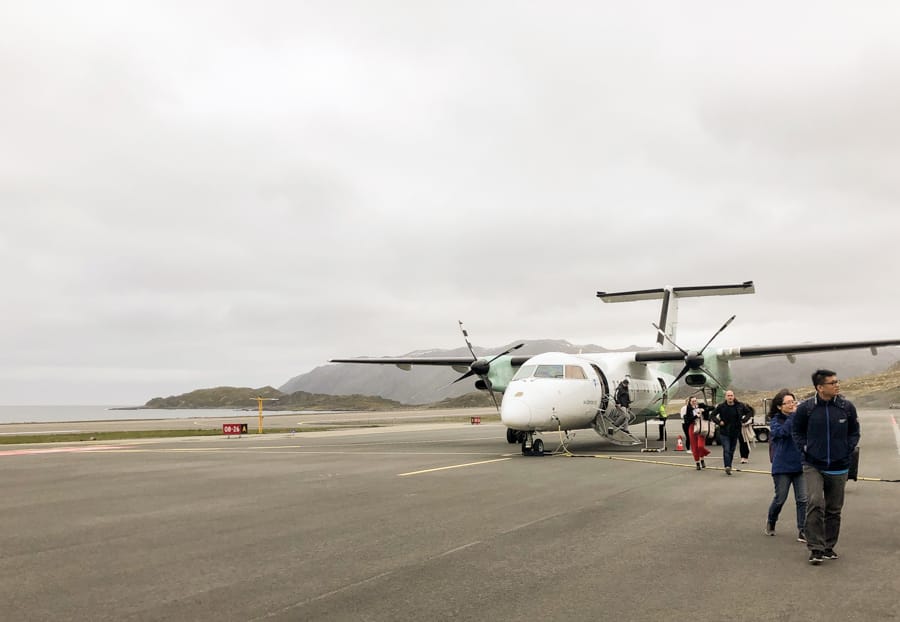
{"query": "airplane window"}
(549, 371)
(524, 372)
(573, 371)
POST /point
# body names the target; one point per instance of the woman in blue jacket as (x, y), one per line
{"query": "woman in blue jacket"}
(787, 467)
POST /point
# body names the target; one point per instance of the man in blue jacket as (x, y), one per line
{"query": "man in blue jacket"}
(826, 430)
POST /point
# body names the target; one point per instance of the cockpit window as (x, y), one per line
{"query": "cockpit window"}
(525, 371)
(575, 372)
(549, 371)
(572, 372)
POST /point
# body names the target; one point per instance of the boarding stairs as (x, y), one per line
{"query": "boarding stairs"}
(613, 424)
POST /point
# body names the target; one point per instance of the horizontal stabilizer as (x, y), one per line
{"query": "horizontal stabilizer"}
(680, 292)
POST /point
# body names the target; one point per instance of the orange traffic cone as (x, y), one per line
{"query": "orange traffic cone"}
(679, 446)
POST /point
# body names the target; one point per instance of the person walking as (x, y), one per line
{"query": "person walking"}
(746, 437)
(686, 412)
(698, 439)
(623, 400)
(787, 467)
(826, 431)
(729, 416)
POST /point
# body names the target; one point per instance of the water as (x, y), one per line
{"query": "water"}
(52, 414)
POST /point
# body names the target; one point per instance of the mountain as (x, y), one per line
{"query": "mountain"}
(244, 398)
(420, 385)
(427, 384)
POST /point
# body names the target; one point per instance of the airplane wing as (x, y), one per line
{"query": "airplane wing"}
(788, 350)
(460, 363)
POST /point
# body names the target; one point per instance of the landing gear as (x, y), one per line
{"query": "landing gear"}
(531, 446)
(512, 436)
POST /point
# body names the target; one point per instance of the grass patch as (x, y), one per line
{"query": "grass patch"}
(23, 439)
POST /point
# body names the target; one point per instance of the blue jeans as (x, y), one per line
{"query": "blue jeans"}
(823, 513)
(783, 482)
(728, 445)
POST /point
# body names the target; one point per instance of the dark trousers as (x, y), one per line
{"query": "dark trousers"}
(823, 512)
(728, 444)
(744, 447)
(687, 436)
(783, 483)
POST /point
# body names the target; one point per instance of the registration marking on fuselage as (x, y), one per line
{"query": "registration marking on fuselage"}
(452, 466)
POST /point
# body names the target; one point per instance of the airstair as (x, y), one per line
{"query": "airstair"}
(613, 424)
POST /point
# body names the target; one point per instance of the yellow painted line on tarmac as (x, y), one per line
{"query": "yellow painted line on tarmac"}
(454, 466)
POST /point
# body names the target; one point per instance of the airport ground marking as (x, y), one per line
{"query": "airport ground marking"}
(452, 466)
(896, 433)
(59, 450)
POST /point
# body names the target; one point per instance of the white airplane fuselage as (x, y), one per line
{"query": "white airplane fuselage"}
(555, 390)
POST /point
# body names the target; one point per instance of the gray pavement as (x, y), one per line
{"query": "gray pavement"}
(426, 521)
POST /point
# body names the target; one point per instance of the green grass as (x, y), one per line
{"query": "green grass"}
(136, 434)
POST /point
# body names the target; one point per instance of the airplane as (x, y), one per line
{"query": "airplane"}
(556, 391)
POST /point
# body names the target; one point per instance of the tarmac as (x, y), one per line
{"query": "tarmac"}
(432, 521)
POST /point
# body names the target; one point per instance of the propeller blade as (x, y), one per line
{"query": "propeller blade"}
(464, 376)
(466, 338)
(724, 326)
(666, 337)
(710, 374)
(680, 375)
(505, 352)
(493, 397)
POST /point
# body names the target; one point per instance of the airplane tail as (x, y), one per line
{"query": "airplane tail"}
(668, 317)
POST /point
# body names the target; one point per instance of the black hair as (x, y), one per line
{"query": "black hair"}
(819, 376)
(778, 400)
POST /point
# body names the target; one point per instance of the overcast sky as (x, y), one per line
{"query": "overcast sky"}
(198, 194)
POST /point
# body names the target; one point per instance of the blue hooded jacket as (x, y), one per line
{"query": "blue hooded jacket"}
(826, 432)
(786, 457)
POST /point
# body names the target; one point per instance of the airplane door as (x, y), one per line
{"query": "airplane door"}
(604, 387)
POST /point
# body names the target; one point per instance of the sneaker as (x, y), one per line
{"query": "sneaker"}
(829, 554)
(801, 537)
(770, 529)
(815, 557)
(727, 470)
(744, 461)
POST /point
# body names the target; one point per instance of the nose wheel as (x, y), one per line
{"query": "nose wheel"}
(532, 446)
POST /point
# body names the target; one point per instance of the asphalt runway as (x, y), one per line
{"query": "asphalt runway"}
(431, 521)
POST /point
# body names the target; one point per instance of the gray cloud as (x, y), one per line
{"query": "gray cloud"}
(197, 194)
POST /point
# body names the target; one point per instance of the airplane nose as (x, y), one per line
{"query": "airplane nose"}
(515, 414)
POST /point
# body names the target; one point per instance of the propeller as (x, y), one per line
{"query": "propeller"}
(480, 367)
(693, 360)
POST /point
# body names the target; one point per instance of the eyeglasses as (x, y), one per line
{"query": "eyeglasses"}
(791, 403)
(833, 382)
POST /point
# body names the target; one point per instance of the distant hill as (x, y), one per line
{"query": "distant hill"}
(427, 384)
(420, 385)
(244, 398)
(869, 391)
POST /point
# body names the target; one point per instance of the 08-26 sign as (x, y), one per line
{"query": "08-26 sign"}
(234, 428)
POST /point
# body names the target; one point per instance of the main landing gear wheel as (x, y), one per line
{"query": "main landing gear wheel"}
(512, 436)
(537, 447)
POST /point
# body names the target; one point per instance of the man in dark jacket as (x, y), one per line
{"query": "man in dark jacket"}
(826, 430)
(730, 415)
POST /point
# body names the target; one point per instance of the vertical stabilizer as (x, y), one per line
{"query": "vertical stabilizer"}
(668, 316)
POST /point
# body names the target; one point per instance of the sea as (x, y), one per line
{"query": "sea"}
(53, 414)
